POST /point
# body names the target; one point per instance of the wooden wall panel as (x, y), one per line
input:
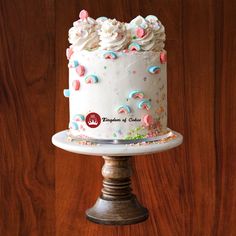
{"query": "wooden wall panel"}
(190, 190)
(27, 98)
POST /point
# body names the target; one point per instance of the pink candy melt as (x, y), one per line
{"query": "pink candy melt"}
(163, 57)
(148, 120)
(76, 84)
(80, 70)
(83, 15)
(140, 32)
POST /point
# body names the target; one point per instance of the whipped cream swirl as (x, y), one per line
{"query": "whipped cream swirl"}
(153, 36)
(113, 35)
(84, 35)
(159, 32)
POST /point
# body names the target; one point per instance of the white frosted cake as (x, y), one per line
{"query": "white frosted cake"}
(117, 79)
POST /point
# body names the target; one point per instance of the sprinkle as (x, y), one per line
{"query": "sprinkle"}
(73, 125)
(83, 15)
(154, 69)
(148, 120)
(144, 105)
(134, 47)
(110, 55)
(136, 94)
(124, 109)
(76, 84)
(91, 79)
(163, 57)
(66, 93)
(80, 70)
(140, 32)
(78, 117)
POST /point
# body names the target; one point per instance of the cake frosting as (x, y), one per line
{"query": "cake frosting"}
(117, 78)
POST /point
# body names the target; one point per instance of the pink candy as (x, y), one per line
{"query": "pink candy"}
(148, 120)
(83, 15)
(80, 70)
(163, 57)
(69, 52)
(140, 32)
(76, 84)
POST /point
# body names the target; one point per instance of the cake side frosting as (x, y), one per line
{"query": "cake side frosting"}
(117, 78)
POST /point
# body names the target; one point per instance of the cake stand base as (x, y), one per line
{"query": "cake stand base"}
(117, 212)
(117, 205)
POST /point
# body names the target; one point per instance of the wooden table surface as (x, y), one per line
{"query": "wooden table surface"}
(190, 190)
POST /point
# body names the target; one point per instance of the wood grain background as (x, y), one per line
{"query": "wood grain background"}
(190, 190)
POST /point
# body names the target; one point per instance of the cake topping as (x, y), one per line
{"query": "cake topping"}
(73, 125)
(73, 64)
(124, 109)
(80, 70)
(113, 35)
(147, 41)
(148, 120)
(144, 104)
(136, 94)
(91, 79)
(83, 15)
(109, 55)
(78, 117)
(134, 47)
(109, 34)
(76, 84)
(69, 52)
(154, 69)
(66, 93)
(163, 57)
(84, 33)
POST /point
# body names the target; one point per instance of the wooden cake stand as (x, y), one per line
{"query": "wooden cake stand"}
(117, 205)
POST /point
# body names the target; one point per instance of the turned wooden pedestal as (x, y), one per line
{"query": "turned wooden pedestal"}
(117, 205)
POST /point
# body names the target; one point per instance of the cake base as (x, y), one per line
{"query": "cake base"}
(121, 212)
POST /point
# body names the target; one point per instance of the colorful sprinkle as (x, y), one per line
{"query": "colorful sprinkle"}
(148, 120)
(66, 93)
(83, 15)
(140, 32)
(78, 117)
(134, 47)
(154, 69)
(124, 109)
(110, 55)
(69, 52)
(80, 70)
(136, 94)
(73, 64)
(144, 105)
(73, 125)
(91, 79)
(76, 84)
(163, 57)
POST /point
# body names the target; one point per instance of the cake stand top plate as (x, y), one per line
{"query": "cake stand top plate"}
(60, 140)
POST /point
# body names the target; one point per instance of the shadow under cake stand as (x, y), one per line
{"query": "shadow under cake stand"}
(117, 205)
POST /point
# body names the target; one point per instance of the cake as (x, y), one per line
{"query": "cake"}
(117, 79)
